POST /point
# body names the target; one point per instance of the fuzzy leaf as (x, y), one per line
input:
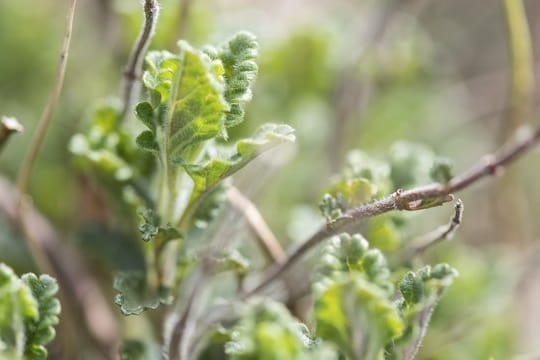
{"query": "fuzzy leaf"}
(207, 175)
(187, 103)
(238, 56)
(28, 312)
(41, 332)
(135, 296)
(150, 228)
(357, 317)
(351, 254)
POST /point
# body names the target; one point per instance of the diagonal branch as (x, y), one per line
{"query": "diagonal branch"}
(413, 199)
(28, 163)
(265, 238)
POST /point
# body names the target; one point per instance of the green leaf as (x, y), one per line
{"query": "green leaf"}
(238, 56)
(151, 229)
(351, 254)
(361, 180)
(41, 332)
(207, 175)
(420, 291)
(357, 316)
(187, 104)
(28, 312)
(135, 296)
(17, 307)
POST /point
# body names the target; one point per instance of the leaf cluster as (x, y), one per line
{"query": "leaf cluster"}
(28, 312)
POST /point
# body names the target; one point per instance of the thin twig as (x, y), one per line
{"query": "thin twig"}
(8, 126)
(45, 118)
(265, 237)
(423, 321)
(39, 136)
(179, 344)
(409, 200)
(133, 70)
(438, 235)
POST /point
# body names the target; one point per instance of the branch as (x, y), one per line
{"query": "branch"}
(45, 118)
(410, 200)
(179, 342)
(8, 126)
(423, 321)
(26, 168)
(133, 70)
(438, 235)
(265, 238)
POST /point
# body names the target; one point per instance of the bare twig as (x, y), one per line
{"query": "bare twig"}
(179, 343)
(438, 235)
(133, 70)
(266, 239)
(45, 118)
(8, 126)
(423, 321)
(39, 136)
(410, 200)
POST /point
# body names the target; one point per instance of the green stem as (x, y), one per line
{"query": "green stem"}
(520, 47)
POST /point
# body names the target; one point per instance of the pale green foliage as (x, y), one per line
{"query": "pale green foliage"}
(193, 96)
(362, 179)
(267, 331)
(151, 230)
(186, 106)
(238, 58)
(357, 316)
(355, 304)
(420, 293)
(40, 332)
(28, 312)
(103, 145)
(353, 298)
(207, 174)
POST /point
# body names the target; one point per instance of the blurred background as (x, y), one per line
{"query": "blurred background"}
(346, 74)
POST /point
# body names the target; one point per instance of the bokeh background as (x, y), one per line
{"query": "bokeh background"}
(346, 74)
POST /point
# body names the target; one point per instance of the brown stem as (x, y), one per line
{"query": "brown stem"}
(133, 70)
(410, 200)
(32, 244)
(178, 344)
(264, 235)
